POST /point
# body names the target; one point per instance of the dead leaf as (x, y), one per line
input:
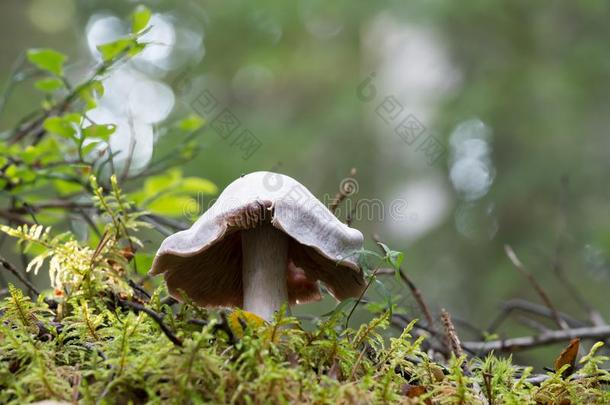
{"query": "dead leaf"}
(415, 391)
(568, 356)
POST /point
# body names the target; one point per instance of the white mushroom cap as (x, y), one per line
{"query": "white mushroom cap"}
(205, 261)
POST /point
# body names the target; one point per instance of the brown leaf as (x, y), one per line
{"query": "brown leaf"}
(127, 253)
(413, 391)
(568, 356)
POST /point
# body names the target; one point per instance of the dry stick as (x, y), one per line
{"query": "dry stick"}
(7, 265)
(543, 295)
(414, 290)
(465, 324)
(531, 308)
(452, 338)
(456, 348)
(532, 324)
(540, 378)
(594, 315)
(546, 338)
(14, 218)
(157, 317)
(361, 297)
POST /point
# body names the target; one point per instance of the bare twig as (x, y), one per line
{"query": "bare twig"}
(169, 300)
(7, 265)
(543, 295)
(452, 338)
(510, 306)
(157, 317)
(361, 297)
(532, 324)
(546, 338)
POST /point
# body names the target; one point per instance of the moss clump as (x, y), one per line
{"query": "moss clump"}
(99, 337)
(102, 352)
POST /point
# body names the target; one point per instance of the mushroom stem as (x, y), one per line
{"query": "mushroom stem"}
(265, 261)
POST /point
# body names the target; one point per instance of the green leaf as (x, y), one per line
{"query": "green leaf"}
(162, 182)
(48, 60)
(113, 49)
(49, 84)
(144, 262)
(87, 149)
(339, 307)
(65, 126)
(30, 154)
(91, 93)
(393, 257)
(160, 190)
(64, 187)
(191, 123)
(172, 205)
(189, 150)
(194, 185)
(101, 131)
(139, 18)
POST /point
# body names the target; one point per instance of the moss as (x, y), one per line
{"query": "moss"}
(97, 337)
(101, 353)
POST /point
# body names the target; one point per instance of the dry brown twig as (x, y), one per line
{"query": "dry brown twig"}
(453, 340)
(542, 339)
(532, 309)
(8, 266)
(543, 295)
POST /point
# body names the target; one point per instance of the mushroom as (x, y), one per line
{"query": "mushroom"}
(266, 241)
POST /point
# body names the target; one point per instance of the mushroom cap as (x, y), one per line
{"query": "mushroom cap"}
(205, 261)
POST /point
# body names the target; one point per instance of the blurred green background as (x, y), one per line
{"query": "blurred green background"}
(513, 95)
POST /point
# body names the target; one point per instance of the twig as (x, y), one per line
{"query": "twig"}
(157, 317)
(522, 305)
(7, 265)
(540, 378)
(452, 338)
(487, 378)
(532, 324)
(13, 78)
(15, 218)
(546, 338)
(543, 295)
(456, 348)
(360, 298)
(169, 300)
(138, 288)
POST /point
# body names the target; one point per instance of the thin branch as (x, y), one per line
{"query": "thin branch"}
(7, 265)
(452, 338)
(543, 295)
(543, 339)
(510, 306)
(157, 317)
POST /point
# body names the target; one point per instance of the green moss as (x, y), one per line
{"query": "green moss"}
(98, 338)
